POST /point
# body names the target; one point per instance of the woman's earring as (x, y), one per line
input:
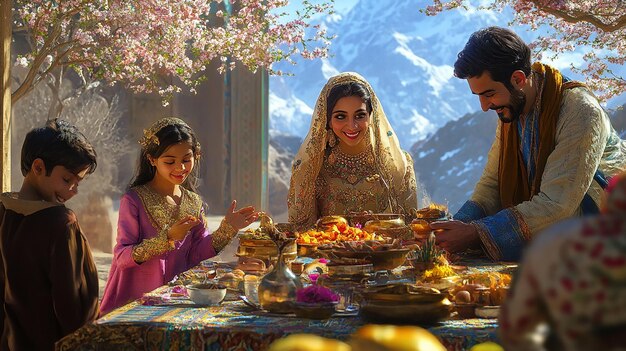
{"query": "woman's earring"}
(332, 139)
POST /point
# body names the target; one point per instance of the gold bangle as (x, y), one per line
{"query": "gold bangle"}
(222, 235)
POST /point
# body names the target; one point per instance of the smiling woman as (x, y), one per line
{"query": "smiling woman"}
(351, 159)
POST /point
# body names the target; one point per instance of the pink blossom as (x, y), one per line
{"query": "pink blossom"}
(141, 42)
(316, 294)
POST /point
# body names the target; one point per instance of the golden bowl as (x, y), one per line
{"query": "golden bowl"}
(403, 233)
(405, 313)
(465, 310)
(362, 218)
(386, 259)
(314, 310)
(350, 269)
(264, 249)
(487, 311)
(307, 250)
(421, 228)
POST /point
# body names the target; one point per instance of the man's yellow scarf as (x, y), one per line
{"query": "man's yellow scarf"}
(513, 181)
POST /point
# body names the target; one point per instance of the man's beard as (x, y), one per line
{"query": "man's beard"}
(516, 105)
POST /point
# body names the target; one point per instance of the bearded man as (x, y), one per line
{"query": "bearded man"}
(553, 153)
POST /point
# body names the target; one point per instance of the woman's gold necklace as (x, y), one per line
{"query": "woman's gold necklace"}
(351, 168)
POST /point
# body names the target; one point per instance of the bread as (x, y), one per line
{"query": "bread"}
(374, 337)
(308, 342)
(250, 264)
(329, 221)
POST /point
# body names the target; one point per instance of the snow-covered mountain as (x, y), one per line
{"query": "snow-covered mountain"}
(406, 56)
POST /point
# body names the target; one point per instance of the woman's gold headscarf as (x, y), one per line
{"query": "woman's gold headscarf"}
(390, 159)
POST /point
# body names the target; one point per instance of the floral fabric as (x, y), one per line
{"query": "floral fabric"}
(573, 279)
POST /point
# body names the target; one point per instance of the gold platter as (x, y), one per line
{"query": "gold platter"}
(406, 313)
(384, 259)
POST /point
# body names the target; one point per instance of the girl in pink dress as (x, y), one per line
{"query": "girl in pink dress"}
(161, 231)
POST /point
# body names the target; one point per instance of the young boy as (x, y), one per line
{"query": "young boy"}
(49, 282)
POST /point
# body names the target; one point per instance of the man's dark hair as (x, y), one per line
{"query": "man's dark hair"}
(58, 144)
(496, 50)
(344, 90)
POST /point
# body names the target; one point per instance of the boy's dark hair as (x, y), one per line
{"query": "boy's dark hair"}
(496, 50)
(344, 90)
(169, 135)
(58, 144)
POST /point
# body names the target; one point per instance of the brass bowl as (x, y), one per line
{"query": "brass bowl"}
(487, 311)
(384, 298)
(405, 313)
(350, 269)
(361, 218)
(307, 250)
(465, 310)
(403, 233)
(264, 249)
(387, 259)
(314, 310)
(421, 228)
(402, 293)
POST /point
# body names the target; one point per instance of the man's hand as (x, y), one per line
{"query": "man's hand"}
(241, 218)
(455, 236)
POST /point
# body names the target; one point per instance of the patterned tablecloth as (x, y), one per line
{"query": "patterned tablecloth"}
(235, 326)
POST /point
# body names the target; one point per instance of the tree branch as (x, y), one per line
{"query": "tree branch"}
(27, 84)
(577, 17)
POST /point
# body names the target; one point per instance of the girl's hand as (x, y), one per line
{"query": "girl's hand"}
(179, 230)
(241, 218)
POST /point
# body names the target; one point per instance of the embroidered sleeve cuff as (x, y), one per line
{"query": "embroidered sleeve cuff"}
(153, 247)
(223, 235)
(503, 235)
(470, 211)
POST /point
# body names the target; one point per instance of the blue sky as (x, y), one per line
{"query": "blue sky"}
(341, 6)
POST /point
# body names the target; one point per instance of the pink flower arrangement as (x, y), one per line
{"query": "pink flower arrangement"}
(316, 294)
(313, 277)
(154, 299)
(180, 290)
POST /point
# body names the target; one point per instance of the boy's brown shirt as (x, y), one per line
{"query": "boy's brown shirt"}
(48, 275)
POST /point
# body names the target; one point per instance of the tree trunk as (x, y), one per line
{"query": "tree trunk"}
(5, 94)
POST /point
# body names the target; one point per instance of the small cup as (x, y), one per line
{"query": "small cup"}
(206, 294)
(466, 310)
(297, 267)
(251, 288)
(481, 296)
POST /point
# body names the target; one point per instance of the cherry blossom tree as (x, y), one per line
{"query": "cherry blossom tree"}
(160, 46)
(599, 25)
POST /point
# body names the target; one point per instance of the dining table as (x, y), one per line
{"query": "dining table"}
(179, 324)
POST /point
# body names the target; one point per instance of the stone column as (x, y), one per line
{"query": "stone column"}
(5, 94)
(249, 124)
